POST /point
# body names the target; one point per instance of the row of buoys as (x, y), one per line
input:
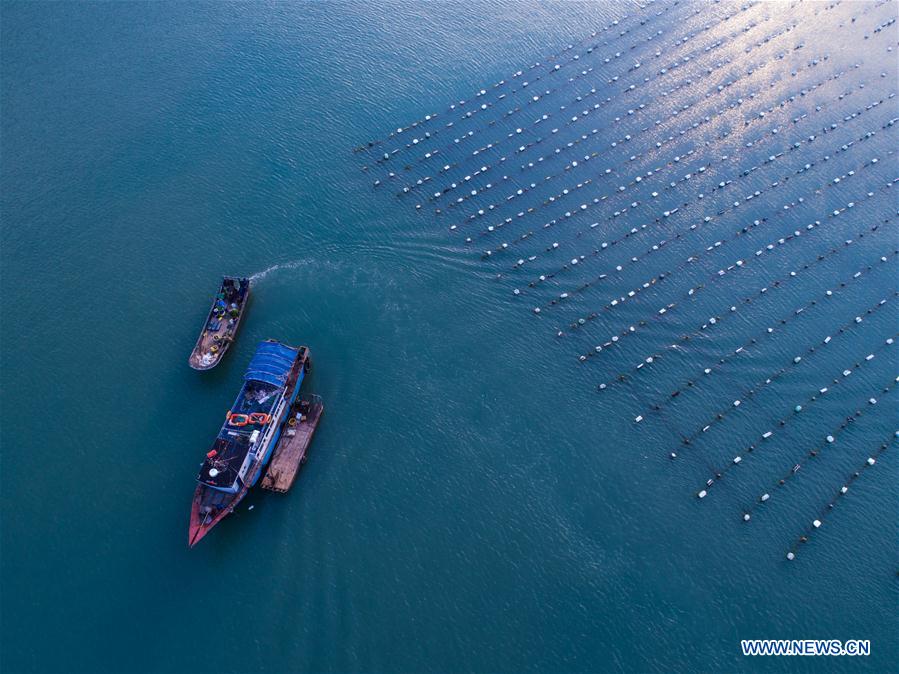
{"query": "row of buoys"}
(695, 172)
(796, 410)
(747, 346)
(749, 394)
(655, 247)
(596, 201)
(606, 186)
(792, 147)
(710, 280)
(773, 328)
(521, 132)
(842, 491)
(626, 138)
(612, 172)
(776, 283)
(690, 383)
(631, 114)
(663, 214)
(828, 440)
(585, 72)
(498, 85)
(523, 78)
(760, 41)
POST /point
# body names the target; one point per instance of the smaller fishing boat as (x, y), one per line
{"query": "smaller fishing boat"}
(221, 324)
(293, 444)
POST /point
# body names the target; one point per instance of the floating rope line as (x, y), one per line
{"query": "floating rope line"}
(632, 113)
(713, 278)
(600, 200)
(626, 375)
(668, 423)
(796, 362)
(750, 393)
(680, 140)
(776, 283)
(758, 43)
(503, 83)
(831, 438)
(747, 345)
(456, 142)
(571, 189)
(555, 65)
(613, 172)
(799, 408)
(596, 107)
(628, 138)
(792, 147)
(526, 85)
(707, 144)
(826, 510)
(659, 245)
(661, 218)
(544, 118)
(580, 210)
(528, 145)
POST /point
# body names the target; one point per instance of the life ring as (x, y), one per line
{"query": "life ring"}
(292, 421)
(238, 419)
(259, 418)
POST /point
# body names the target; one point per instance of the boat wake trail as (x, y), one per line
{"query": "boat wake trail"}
(260, 275)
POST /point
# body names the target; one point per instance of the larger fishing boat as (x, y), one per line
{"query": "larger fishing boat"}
(245, 442)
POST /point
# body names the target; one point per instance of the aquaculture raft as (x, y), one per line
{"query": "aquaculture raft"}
(296, 436)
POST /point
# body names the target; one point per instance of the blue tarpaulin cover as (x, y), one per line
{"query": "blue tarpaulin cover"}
(271, 363)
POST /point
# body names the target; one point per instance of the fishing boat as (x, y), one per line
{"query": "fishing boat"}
(293, 445)
(251, 430)
(221, 324)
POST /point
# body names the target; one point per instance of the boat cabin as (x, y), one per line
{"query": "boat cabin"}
(252, 420)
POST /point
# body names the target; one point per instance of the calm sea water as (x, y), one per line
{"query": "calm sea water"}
(471, 502)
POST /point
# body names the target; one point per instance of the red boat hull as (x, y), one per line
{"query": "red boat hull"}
(201, 524)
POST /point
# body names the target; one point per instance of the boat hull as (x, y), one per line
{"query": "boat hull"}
(202, 523)
(210, 506)
(196, 360)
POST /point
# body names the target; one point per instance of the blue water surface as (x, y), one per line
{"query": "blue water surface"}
(473, 501)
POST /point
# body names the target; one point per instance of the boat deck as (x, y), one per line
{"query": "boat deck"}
(290, 453)
(221, 324)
